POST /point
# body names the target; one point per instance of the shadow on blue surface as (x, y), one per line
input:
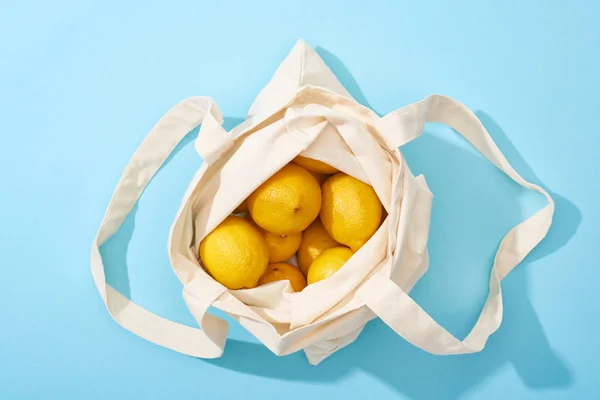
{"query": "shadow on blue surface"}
(114, 254)
(114, 250)
(343, 74)
(520, 342)
(466, 212)
(474, 203)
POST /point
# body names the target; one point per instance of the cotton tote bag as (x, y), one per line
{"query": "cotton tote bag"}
(304, 110)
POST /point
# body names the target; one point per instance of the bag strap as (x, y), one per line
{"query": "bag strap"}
(394, 306)
(146, 161)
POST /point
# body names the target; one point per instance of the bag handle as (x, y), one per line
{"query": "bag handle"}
(394, 306)
(164, 137)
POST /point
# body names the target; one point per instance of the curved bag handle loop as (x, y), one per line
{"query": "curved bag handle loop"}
(395, 307)
(147, 160)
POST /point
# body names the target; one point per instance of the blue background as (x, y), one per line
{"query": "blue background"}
(81, 83)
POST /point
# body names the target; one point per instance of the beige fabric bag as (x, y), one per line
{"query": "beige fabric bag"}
(305, 110)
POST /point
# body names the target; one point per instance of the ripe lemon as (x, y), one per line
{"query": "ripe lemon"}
(281, 247)
(235, 253)
(287, 202)
(328, 263)
(315, 240)
(315, 165)
(282, 271)
(351, 210)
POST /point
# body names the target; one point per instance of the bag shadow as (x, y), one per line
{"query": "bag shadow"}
(474, 207)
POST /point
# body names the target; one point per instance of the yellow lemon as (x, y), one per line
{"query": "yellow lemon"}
(328, 263)
(235, 253)
(315, 165)
(351, 210)
(315, 240)
(242, 208)
(287, 202)
(281, 247)
(282, 271)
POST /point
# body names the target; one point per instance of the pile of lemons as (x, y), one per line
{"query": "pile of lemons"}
(307, 208)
